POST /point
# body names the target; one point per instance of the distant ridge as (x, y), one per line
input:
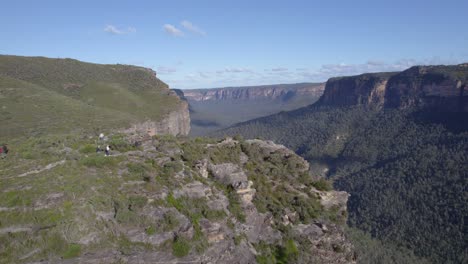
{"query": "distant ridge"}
(44, 95)
(268, 92)
(218, 108)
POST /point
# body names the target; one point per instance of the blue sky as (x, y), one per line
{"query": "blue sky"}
(204, 44)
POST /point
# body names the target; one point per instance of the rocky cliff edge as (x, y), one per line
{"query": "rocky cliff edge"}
(168, 200)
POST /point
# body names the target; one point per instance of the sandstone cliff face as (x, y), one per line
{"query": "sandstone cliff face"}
(270, 92)
(436, 87)
(366, 89)
(175, 123)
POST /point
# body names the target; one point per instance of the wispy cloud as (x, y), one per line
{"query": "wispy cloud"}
(204, 75)
(237, 70)
(192, 28)
(111, 29)
(245, 76)
(326, 71)
(173, 30)
(165, 70)
(279, 69)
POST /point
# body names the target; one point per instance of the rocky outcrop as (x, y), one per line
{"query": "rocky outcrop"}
(267, 92)
(175, 123)
(177, 200)
(436, 87)
(366, 89)
(439, 88)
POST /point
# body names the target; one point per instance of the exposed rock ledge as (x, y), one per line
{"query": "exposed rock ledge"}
(175, 123)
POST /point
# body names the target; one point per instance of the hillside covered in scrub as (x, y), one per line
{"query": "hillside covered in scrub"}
(41, 95)
(166, 199)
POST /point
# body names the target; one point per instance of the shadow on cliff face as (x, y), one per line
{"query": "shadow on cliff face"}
(455, 122)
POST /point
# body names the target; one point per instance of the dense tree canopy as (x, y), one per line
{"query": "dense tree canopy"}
(406, 170)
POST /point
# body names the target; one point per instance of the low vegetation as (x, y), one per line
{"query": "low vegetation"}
(88, 203)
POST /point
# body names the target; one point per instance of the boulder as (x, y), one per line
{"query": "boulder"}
(229, 174)
(193, 190)
(202, 167)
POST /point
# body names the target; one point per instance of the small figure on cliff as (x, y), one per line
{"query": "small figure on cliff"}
(101, 136)
(108, 149)
(98, 149)
(3, 151)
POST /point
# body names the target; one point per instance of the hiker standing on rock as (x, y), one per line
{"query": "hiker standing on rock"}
(108, 148)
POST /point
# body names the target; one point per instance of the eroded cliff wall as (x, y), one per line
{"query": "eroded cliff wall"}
(439, 88)
(175, 123)
(270, 92)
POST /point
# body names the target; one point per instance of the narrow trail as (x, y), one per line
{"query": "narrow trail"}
(47, 167)
(23, 164)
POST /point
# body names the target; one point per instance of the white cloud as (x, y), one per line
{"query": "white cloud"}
(117, 31)
(192, 28)
(173, 31)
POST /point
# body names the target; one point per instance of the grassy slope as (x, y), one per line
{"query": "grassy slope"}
(50, 95)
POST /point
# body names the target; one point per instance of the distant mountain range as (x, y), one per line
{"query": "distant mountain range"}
(398, 143)
(213, 109)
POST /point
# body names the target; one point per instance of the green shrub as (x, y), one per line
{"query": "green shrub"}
(235, 206)
(176, 203)
(269, 253)
(224, 154)
(28, 154)
(137, 202)
(169, 222)
(171, 168)
(214, 214)
(73, 251)
(289, 251)
(15, 198)
(99, 161)
(238, 238)
(126, 217)
(150, 231)
(120, 143)
(88, 148)
(139, 170)
(323, 185)
(192, 152)
(180, 247)
(230, 224)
